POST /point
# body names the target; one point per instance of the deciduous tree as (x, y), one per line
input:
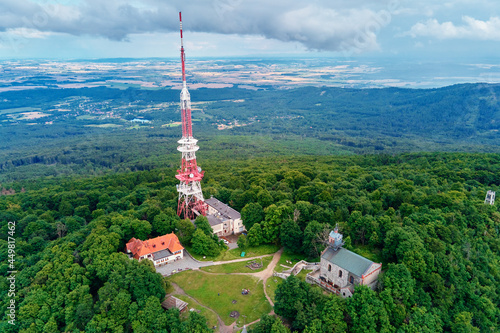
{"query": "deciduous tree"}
(252, 213)
(185, 231)
(204, 244)
(291, 236)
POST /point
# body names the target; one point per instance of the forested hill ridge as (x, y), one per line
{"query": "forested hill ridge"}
(421, 215)
(90, 130)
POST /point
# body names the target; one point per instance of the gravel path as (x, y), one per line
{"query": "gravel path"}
(268, 272)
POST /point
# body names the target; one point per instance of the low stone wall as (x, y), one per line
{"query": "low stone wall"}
(281, 275)
(310, 266)
(298, 267)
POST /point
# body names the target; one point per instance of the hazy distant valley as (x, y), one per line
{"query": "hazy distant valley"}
(60, 118)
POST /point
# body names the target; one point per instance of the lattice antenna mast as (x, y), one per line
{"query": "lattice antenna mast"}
(191, 202)
(187, 130)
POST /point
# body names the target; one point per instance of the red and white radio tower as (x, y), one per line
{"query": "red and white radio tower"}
(191, 202)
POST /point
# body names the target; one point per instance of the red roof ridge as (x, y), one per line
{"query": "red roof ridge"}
(140, 248)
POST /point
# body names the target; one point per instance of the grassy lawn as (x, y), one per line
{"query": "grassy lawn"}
(302, 274)
(170, 288)
(210, 315)
(205, 289)
(238, 267)
(236, 253)
(256, 251)
(293, 257)
(223, 256)
(271, 285)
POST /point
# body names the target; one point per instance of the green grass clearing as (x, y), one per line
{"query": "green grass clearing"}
(225, 255)
(206, 287)
(238, 267)
(210, 315)
(256, 251)
(288, 256)
(302, 274)
(272, 284)
(236, 253)
(171, 125)
(170, 289)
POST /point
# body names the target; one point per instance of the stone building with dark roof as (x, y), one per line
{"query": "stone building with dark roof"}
(223, 219)
(341, 270)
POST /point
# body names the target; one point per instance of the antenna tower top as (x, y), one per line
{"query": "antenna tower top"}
(183, 56)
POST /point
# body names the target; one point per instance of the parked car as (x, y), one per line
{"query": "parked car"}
(225, 241)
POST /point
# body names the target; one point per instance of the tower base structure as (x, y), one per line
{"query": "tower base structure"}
(191, 203)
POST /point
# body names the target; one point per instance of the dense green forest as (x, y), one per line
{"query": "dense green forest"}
(421, 214)
(94, 133)
(292, 161)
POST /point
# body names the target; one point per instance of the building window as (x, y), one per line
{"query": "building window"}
(329, 268)
(340, 273)
(351, 279)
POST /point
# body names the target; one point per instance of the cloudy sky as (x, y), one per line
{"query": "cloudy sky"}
(464, 30)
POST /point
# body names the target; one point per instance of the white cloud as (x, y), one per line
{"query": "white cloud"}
(28, 33)
(470, 29)
(334, 25)
(239, 26)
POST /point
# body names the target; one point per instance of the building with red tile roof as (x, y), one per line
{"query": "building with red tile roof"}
(160, 250)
